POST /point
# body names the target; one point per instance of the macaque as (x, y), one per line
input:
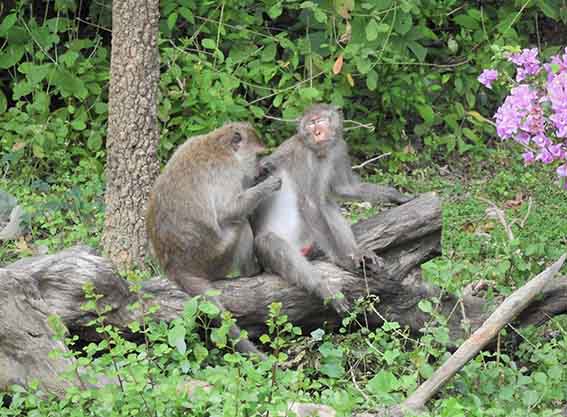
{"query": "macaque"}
(304, 215)
(198, 210)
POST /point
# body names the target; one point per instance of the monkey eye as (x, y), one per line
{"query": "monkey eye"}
(237, 138)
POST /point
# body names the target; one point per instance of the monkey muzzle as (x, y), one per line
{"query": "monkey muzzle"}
(320, 135)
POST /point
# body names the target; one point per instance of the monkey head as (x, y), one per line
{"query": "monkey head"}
(321, 126)
(246, 146)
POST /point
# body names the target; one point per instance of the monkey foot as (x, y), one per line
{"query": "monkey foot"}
(368, 260)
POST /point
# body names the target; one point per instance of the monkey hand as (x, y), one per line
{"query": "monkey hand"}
(399, 198)
(265, 169)
(338, 301)
(340, 305)
(271, 184)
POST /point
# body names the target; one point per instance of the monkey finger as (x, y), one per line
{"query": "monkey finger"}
(341, 306)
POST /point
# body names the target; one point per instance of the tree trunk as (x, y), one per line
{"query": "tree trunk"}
(133, 134)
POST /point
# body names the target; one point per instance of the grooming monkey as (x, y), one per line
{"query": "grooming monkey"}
(315, 169)
(197, 218)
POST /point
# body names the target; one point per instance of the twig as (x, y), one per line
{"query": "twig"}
(362, 165)
(267, 116)
(86, 22)
(500, 214)
(357, 386)
(501, 317)
(523, 222)
(359, 125)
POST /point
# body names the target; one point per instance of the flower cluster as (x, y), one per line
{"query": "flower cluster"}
(527, 63)
(535, 112)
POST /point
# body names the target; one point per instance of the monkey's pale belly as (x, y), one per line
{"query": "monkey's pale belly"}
(283, 218)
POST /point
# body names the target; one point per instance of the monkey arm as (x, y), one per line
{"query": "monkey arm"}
(282, 153)
(364, 191)
(346, 185)
(246, 202)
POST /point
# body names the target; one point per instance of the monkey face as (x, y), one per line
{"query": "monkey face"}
(321, 125)
(319, 128)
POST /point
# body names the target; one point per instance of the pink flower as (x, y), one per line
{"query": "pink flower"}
(562, 170)
(529, 157)
(526, 62)
(560, 61)
(487, 77)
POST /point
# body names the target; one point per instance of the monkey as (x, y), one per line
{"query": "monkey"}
(304, 216)
(198, 211)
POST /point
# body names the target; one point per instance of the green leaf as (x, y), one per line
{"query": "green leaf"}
(419, 51)
(95, 142)
(466, 21)
(530, 397)
(275, 10)
(209, 43)
(372, 30)
(78, 124)
(269, 53)
(3, 102)
(101, 108)
(383, 382)
(471, 134)
(426, 113)
(372, 80)
(309, 93)
(333, 370)
(382, 4)
(7, 24)
(22, 88)
(320, 16)
(190, 309)
(403, 23)
(550, 9)
(200, 352)
(68, 83)
(425, 306)
(35, 73)
(11, 56)
(176, 338)
(69, 58)
(210, 309)
(186, 14)
(172, 20)
(218, 337)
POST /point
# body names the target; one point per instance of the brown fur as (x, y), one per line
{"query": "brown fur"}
(197, 218)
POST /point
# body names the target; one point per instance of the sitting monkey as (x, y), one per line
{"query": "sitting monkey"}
(315, 169)
(197, 218)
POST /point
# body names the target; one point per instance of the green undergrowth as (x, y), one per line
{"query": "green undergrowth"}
(352, 370)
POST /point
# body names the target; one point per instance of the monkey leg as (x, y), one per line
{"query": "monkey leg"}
(199, 286)
(245, 258)
(279, 257)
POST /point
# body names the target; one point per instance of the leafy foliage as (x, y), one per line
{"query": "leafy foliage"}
(409, 68)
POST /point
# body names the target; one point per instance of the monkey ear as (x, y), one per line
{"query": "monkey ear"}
(235, 140)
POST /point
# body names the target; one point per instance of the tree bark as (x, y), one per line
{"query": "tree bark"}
(133, 135)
